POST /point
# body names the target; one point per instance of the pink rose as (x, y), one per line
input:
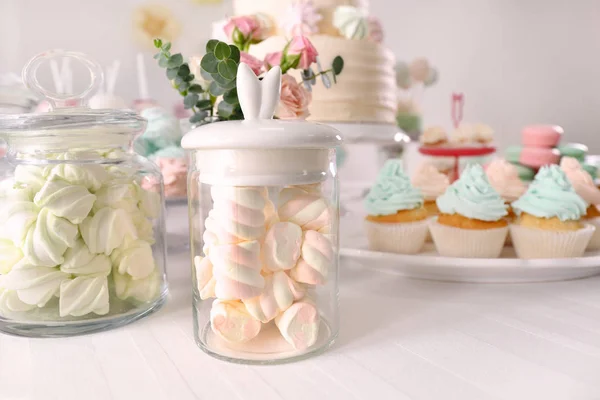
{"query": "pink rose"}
(273, 59)
(294, 99)
(246, 26)
(301, 47)
(254, 63)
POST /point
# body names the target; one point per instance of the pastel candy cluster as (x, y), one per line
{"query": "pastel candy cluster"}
(259, 261)
(69, 228)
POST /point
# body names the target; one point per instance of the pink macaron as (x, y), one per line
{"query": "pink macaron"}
(541, 135)
(537, 157)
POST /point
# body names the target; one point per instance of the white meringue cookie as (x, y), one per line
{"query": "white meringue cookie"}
(205, 280)
(279, 294)
(72, 202)
(92, 176)
(12, 191)
(30, 176)
(9, 256)
(282, 243)
(48, 240)
(143, 226)
(80, 261)
(352, 22)
(117, 194)
(149, 202)
(10, 303)
(15, 219)
(107, 230)
(231, 321)
(143, 290)
(120, 172)
(34, 285)
(84, 295)
(299, 324)
(134, 258)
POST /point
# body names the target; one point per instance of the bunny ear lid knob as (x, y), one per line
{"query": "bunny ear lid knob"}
(258, 99)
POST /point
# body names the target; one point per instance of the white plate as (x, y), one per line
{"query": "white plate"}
(507, 269)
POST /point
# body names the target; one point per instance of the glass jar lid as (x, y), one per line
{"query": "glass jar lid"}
(68, 112)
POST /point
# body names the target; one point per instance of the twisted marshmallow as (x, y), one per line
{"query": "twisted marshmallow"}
(299, 324)
(48, 239)
(33, 285)
(204, 277)
(281, 248)
(79, 261)
(143, 290)
(236, 268)
(134, 258)
(279, 294)
(16, 218)
(308, 210)
(231, 321)
(9, 256)
(107, 230)
(84, 295)
(72, 202)
(316, 260)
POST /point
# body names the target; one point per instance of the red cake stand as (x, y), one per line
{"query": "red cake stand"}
(456, 152)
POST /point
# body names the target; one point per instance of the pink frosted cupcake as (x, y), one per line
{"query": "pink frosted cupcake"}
(504, 178)
(584, 186)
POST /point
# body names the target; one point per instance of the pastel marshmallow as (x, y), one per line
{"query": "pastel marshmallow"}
(299, 324)
(204, 277)
(316, 260)
(231, 321)
(308, 210)
(537, 157)
(279, 294)
(236, 268)
(282, 245)
(541, 135)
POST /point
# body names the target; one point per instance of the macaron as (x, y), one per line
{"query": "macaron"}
(541, 135)
(513, 153)
(590, 169)
(537, 157)
(575, 150)
(525, 173)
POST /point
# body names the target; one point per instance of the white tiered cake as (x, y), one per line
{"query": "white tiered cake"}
(366, 90)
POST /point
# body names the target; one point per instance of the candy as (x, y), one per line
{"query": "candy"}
(231, 321)
(299, 324)
(84, 295)
(308, 210)
(279, 294)
(316, 261)
(281, 248)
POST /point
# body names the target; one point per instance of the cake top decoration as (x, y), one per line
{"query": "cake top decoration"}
(301, 18)
(581, 180)
(504, 178)
(352, 22)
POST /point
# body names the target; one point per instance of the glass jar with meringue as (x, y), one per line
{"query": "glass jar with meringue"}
(82, 242)
(264, 225)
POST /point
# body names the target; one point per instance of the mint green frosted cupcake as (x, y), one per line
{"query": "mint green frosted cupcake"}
(396, 220)
(471, 222)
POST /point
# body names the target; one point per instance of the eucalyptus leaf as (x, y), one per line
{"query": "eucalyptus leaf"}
(171, 73)
(163, 61)
(231, 96)
(209, 63)
(224, 83)
(338, 65)
(178, 81)
(228, 69)
(210, 46)
(235, 53)
(190, 100)
(183, 86)
(157, 56)
(189, 78)
(166, 47)
(207, 76)
(198, 117)
(158, 43)
(225, 109)
(184, 70)
(175, 61)
(195, 88)
(216, 90)
(204, 104)
(222, 51)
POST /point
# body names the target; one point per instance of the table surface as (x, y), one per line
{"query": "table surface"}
(400, 339)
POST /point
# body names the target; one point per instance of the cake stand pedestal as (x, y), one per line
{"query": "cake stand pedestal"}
(456, 152)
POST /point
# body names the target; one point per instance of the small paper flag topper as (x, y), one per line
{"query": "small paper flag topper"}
(457, 107)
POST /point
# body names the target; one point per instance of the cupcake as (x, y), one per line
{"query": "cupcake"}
(504, 178)
(584, 186)
(549, 218)
(396, 220)
(432, 184)
(472, 220)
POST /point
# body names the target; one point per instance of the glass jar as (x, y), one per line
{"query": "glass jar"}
(264, 225)
(83, 240)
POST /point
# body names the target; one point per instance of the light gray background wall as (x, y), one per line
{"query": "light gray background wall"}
(517, 61)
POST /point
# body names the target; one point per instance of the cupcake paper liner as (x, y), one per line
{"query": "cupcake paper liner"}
(402, 238)
(541, 243)
(468, 243)
(594, 243)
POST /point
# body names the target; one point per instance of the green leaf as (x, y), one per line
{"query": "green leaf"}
(183, 86)
(166, 46)
(189, 78)
(178, 81)
(158, 43)
(216, 90)
(210, 46)
(190, 100)
(157, 55)
(228, 69)
(175, 61)
(224, 83)
(231, 96)
(209, 63)
(235, 53)
(207, 76)
(338, 65)
(198, 117)
(204, 104)
(163, 61)
(225, 109)
(195, 88)
(171, 73)
(184, 70)
(222, 51)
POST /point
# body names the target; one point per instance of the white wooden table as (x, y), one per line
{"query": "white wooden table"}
(400, 339)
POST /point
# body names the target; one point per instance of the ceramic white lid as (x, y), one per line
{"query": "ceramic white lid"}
(258, 100)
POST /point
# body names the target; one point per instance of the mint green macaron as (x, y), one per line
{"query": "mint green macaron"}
(525, 173)
(513, 153)
(590, 169)
(575, 150)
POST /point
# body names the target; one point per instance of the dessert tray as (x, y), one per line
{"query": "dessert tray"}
(507, 269)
